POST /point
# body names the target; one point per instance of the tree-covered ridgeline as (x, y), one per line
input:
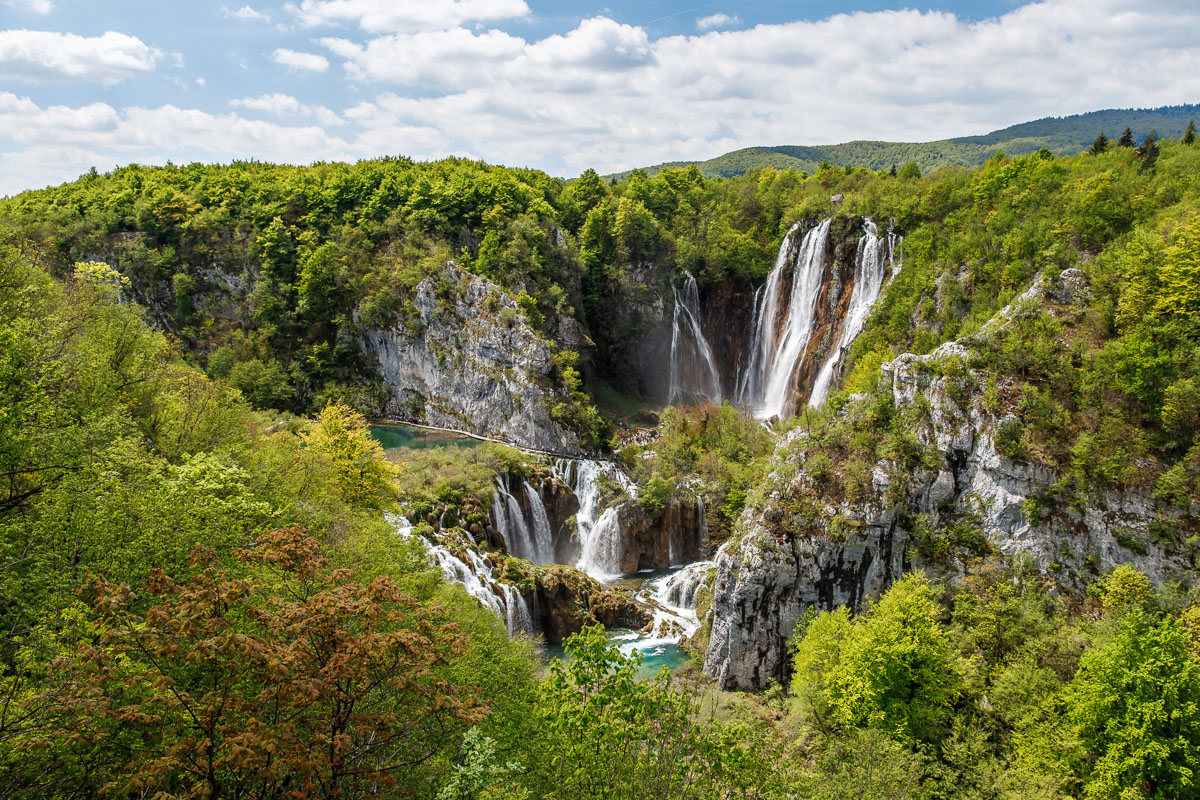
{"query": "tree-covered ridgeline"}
(1060, 135)
(269, 274)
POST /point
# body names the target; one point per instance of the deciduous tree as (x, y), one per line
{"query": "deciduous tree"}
(298, 681)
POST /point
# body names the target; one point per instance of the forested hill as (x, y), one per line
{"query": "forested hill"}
(1060, 135)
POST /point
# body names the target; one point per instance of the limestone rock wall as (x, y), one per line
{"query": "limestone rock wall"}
(468, 359)
(768, 577)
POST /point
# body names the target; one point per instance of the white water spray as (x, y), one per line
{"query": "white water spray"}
(874, 256)
(694, 376)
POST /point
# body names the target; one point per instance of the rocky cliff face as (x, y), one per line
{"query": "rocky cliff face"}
(468, 359)
(726, 308)
(635, 348)
(675, 535)
(795, 556)
(563, 600)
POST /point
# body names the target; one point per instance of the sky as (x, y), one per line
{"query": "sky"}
(558, 86)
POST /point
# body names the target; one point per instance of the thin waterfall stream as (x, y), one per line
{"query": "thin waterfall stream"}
(694, 376)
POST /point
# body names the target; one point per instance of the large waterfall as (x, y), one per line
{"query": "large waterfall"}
(873, 259)
(766, 383)
(475, 575)
(526, 532)
(694, 376)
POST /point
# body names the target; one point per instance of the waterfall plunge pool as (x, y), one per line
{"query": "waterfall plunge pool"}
(655, 656)
(660, 646)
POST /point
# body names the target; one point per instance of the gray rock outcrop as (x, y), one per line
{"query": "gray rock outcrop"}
(824, 555)
(467, 358)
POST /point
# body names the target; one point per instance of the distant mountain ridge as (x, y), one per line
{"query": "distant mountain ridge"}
(1060, 135)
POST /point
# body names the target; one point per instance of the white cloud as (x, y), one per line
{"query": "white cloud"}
(439, 59)
(284, 105)
(292, 59)
(713, 21)
(605, 95)
(57, 143)
(247, 13)
(34, 6)
(406, 15)
(47, 55)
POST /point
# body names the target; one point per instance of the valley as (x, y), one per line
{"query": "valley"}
(881, 468)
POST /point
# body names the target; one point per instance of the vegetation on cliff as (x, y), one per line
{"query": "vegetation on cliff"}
(200, 595)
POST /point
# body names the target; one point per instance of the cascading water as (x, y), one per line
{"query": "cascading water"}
(680, 589)
(475, 575)
(599, 529)
(669, 596)
(768, 378)
(543, 539)
(673, 600)
(601, 557)
(762, 326)
(516, 612)
(694, 376)
(873, 258)
(526, 536)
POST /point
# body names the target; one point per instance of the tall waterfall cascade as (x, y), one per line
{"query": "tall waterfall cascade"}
(599, 528)
(526, 532)
(782, 327)
(474, 575)
(766, 383)
(694, 376)
(874, 259)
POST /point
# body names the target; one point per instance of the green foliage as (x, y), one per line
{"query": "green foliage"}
(122, 461)
(1125, 588)
(654, 496)
(1148, 150)
(1033, 702)
(482, 775)
(613, 736)
(891, 668)
(340, 434)
(1135, 705)
(724, 447)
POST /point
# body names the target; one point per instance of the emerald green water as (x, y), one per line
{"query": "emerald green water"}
(397, 437)
(655, 654)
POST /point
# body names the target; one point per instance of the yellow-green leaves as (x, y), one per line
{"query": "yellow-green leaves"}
(890, 668)
(341, 435)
